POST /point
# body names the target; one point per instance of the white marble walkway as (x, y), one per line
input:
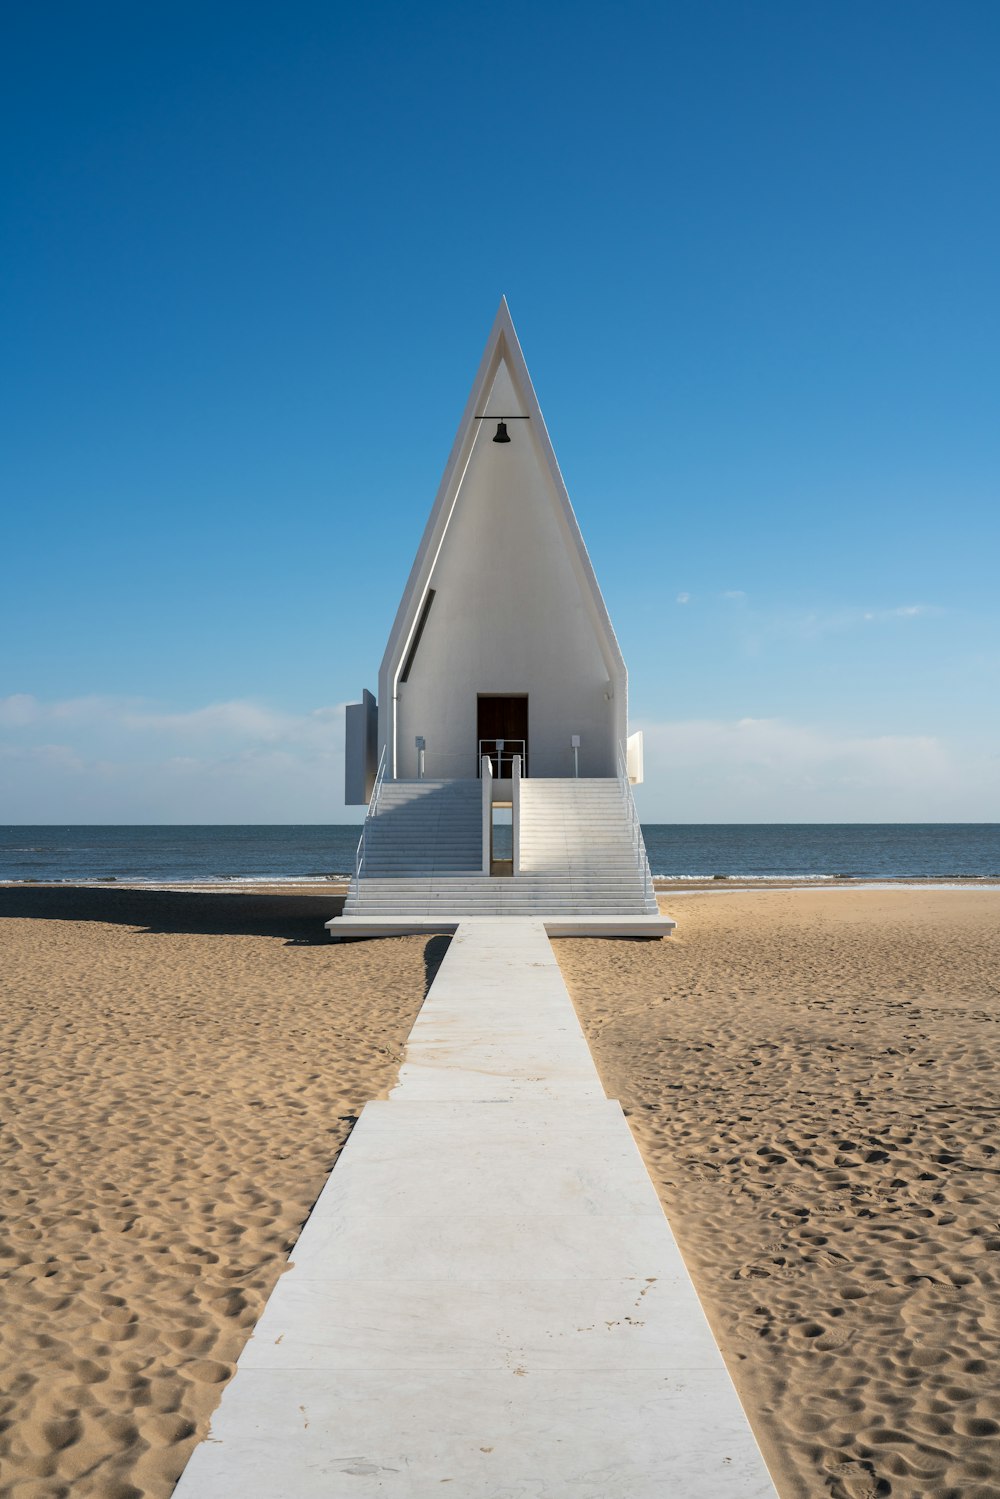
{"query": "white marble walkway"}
(487, 1300)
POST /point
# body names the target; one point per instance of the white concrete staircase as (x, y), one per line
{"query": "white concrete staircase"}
(579, 833)
(423, 854)
(424, 828)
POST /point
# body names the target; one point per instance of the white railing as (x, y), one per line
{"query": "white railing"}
(453, 765)
(486, 772)
(359, 857)
(635, 828)
(439, 765)
(515, 815)
(502, 751)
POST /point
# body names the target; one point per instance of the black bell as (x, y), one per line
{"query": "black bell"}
(502, 433)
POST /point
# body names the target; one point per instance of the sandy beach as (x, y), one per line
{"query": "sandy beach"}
(812, 1079)
(810, 1074)
(180, 1073)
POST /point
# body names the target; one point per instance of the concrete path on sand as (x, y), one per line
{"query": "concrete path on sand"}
(487, 1300)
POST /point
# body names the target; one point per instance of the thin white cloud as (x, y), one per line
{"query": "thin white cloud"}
(771, 770)
(22, 709)
(107, 760)
(683, 598)
(18, 710)
(236, 718)
(901, 611)
(815, 623)
(245, 720)
(58, 757)
(122, 760)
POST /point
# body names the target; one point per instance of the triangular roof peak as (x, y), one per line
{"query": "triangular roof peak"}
(503, 347)
(502, 388)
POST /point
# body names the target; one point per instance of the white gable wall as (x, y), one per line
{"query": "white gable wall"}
(517, 608)
(513, 614)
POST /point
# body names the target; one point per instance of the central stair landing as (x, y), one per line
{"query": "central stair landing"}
(487, 1300)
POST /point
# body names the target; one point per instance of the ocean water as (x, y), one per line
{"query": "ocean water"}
(680, 851)
(890, 850)
(158, 854)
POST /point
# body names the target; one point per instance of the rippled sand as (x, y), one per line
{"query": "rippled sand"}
(813, 1080)
(812, 1077)
(179, 1073)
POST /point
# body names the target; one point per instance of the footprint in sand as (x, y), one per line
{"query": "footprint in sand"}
(855, 1481)
(208, 1371)
(834, 1338)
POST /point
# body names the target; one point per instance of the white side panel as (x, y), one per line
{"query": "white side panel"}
(360, 750)
(634, 758)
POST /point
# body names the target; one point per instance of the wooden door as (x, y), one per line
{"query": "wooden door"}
(502, 718)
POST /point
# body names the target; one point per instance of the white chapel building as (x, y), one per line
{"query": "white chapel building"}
(496, 763)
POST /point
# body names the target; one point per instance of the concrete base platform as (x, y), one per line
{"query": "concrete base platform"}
(352, 928)
(487, 1300)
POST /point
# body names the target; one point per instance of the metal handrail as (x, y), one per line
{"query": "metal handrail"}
(359, 857)
(486, 792)
(504, 752)
(635, 827)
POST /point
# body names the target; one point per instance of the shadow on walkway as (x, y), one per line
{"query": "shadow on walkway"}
(433, 958)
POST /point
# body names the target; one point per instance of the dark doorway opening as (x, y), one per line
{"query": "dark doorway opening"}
(502, 732)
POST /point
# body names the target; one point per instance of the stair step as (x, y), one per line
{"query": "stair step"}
(423, 851)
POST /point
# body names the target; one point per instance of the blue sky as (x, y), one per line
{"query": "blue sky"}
(251, 255)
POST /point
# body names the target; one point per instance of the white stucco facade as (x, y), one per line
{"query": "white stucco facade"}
(515, 609)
